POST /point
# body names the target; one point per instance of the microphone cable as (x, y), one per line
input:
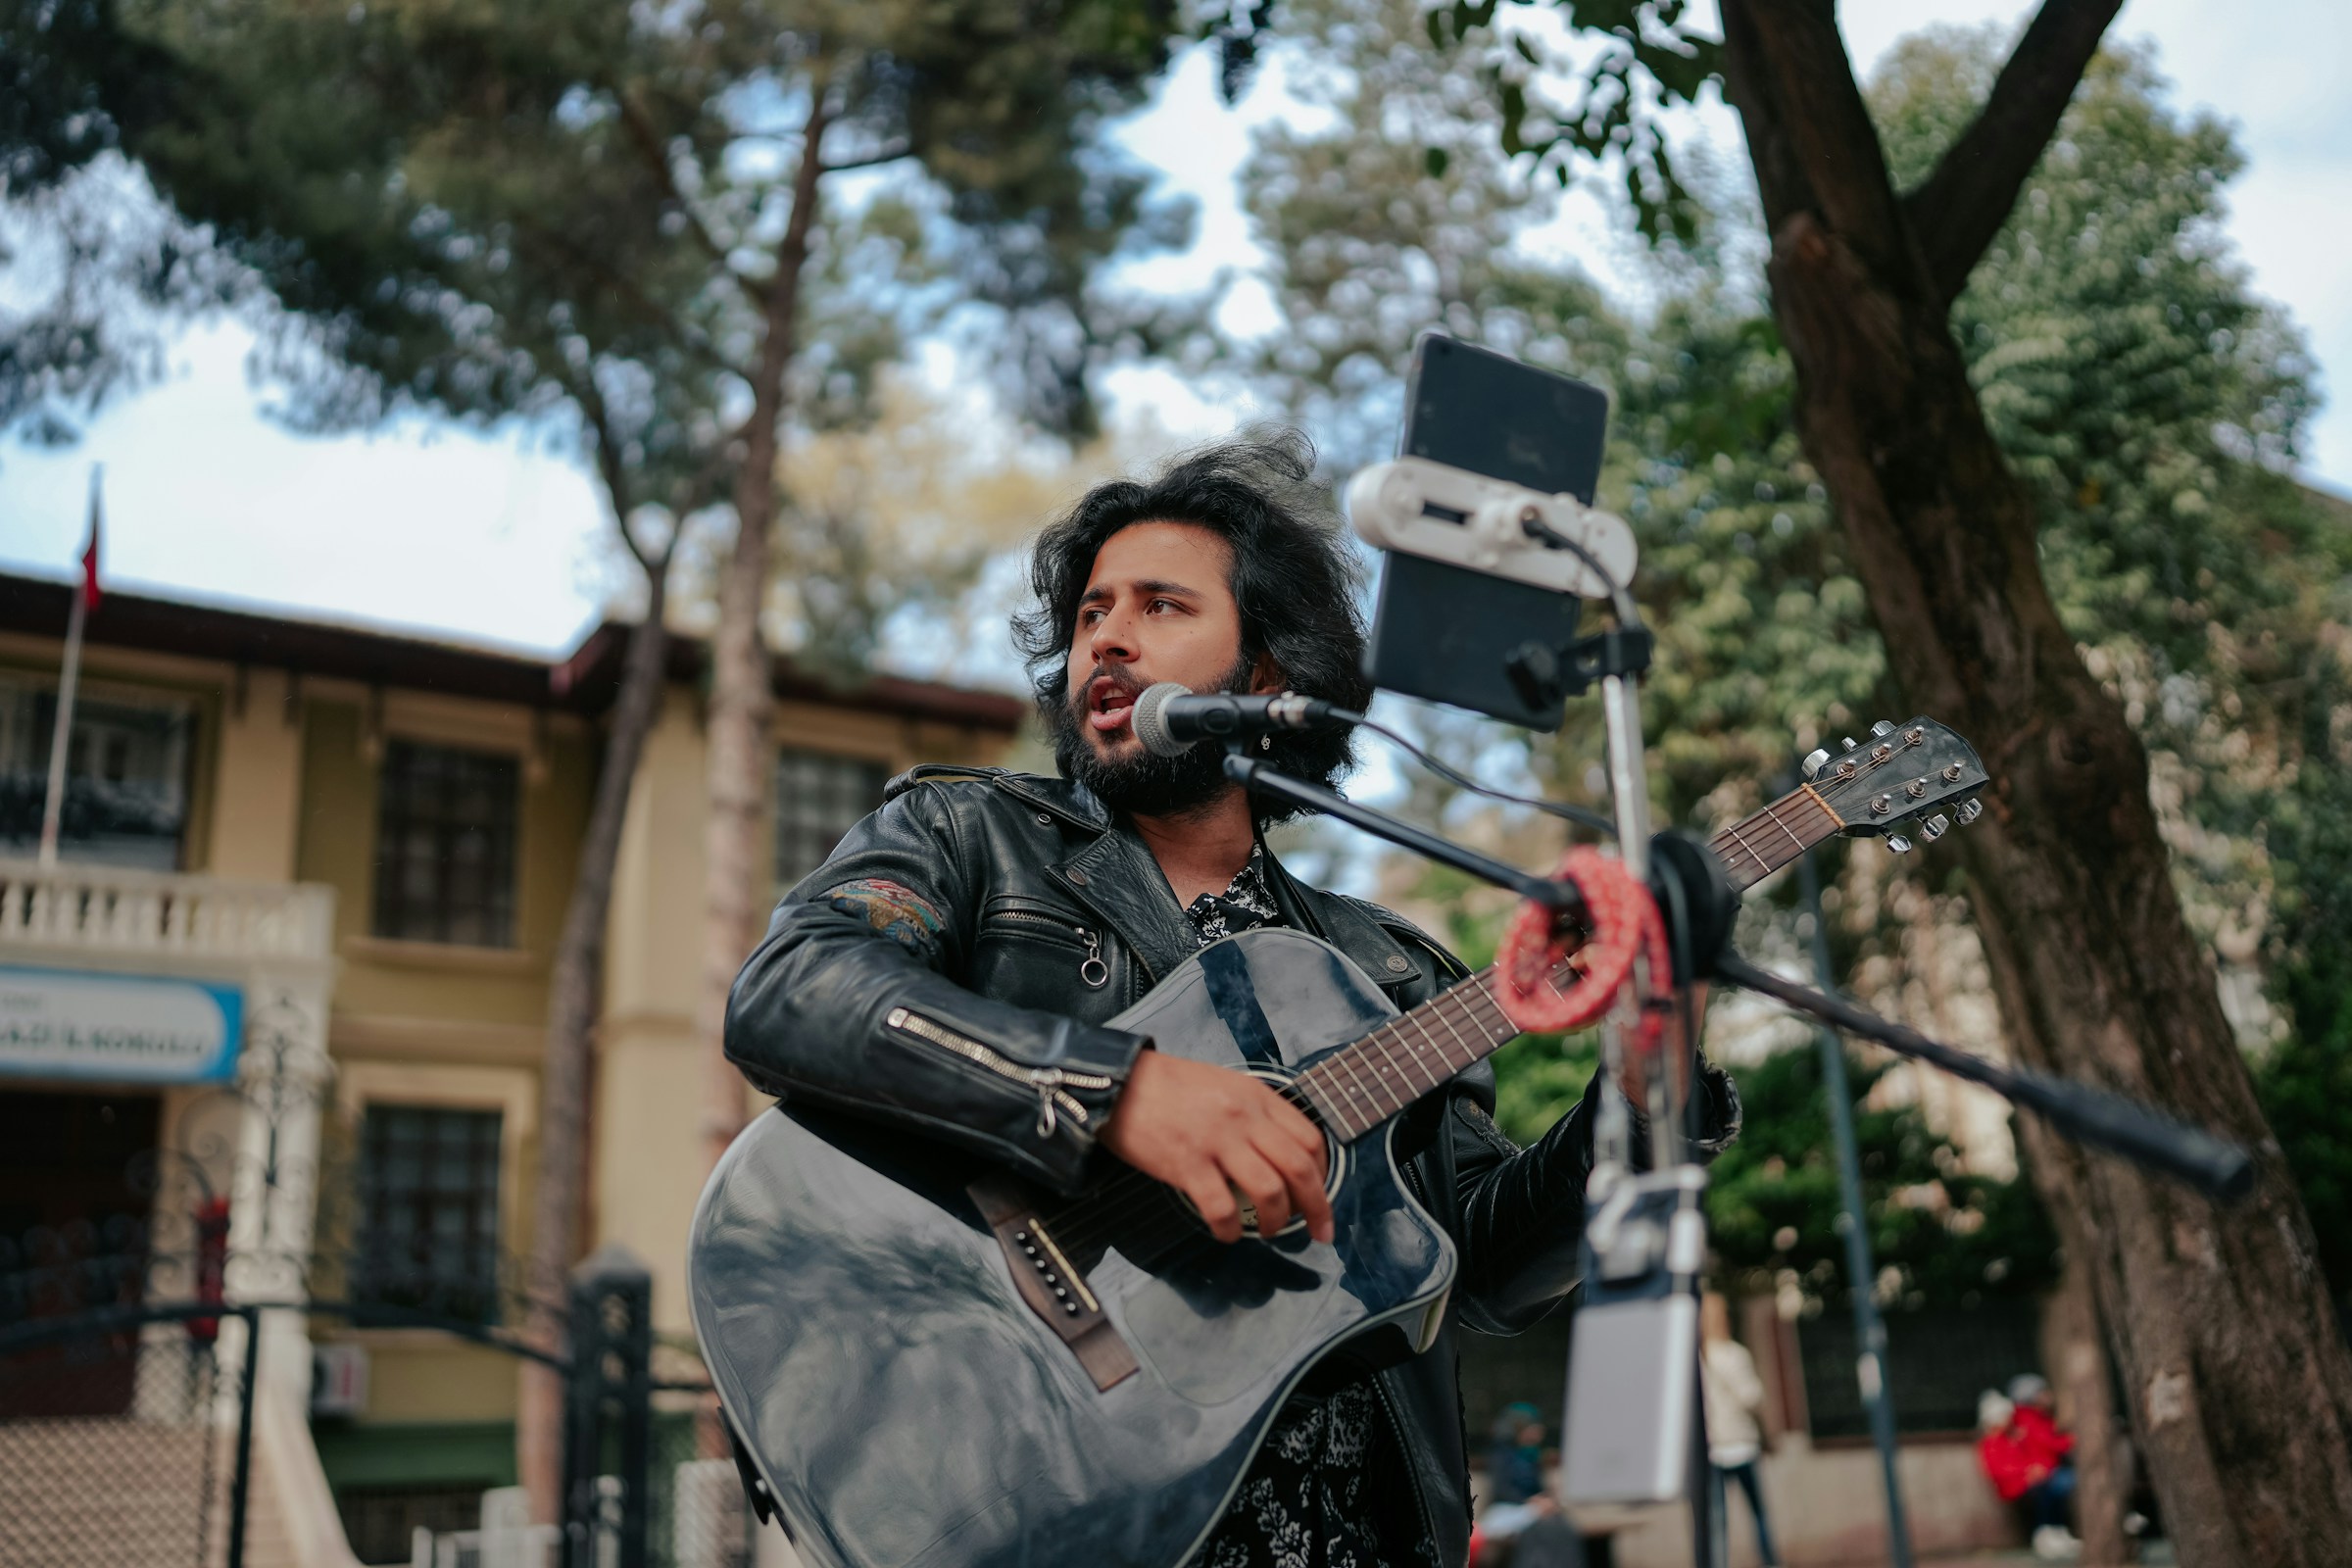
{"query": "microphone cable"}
(1581, 816)
(1629, 618)
(1620, 603)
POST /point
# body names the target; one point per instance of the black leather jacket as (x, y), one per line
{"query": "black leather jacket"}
(1014, 909)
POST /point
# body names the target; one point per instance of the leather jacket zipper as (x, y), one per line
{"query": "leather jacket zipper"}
(1388, 1408)
(1052, 1100)
(1093, 972)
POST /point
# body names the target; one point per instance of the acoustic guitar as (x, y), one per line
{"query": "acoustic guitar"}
(931, 1365)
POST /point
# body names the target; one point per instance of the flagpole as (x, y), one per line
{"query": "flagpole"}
(53, 806)
(53, 810)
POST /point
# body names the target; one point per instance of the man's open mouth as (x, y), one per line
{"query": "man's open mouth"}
(1108, 705)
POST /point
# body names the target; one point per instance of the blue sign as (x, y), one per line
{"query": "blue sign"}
(118, 1028)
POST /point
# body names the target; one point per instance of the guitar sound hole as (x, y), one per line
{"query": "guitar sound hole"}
(1335, 1157)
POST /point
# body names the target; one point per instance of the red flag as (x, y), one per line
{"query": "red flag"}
(89, 552)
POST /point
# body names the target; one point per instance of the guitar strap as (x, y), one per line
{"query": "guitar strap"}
(1235, 1000)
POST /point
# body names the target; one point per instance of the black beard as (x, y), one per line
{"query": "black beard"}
(1145, 784)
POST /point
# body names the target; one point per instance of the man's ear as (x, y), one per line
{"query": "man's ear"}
(1266, 678)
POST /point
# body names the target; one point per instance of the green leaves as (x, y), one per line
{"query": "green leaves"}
(1950, 1235)
(2132, 380)
(1607, 110)
(489, 210)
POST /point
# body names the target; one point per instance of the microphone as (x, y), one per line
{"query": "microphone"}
(1169, 719)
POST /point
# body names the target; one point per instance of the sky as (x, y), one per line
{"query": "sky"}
(486, 539)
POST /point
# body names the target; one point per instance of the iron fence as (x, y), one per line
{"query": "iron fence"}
(125, 1438)
(1939, 1360)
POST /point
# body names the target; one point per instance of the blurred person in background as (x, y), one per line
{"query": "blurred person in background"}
(1515, 1462)
(1735, 1397)
(2028, 1462)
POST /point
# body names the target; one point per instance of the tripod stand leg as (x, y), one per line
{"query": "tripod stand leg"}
(1870, 1330)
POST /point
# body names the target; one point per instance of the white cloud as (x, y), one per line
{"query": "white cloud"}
(427, 527)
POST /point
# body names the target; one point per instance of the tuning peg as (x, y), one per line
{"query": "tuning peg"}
(1813, 762)
(1933, 827)
(1970, 811)
(1898, 843)
(1881, 729)
(1849, 742)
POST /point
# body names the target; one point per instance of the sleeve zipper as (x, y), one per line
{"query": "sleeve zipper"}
(1052, 1102)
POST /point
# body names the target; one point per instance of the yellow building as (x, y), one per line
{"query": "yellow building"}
(325, 868)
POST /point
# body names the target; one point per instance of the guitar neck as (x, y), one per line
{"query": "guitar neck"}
(1755, 846)
(1361, 1085)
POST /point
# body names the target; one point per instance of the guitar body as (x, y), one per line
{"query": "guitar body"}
(907, 1406)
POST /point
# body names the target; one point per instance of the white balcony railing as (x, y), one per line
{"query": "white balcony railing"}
(102, 909)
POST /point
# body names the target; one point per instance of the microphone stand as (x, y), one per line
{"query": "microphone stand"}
(1262, 779)
(2218, 1169)
(2083, 1115)
(1861, 1274)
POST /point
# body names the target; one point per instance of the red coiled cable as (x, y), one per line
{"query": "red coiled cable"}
(1624, 920)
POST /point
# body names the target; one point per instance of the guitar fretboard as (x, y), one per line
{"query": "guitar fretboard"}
(1360, 1086)
(1756, 847)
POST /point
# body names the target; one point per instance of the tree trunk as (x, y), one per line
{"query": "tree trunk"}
(736, 783)
(2240, 1388)
(737, 767)
(572, 1010)
(2086, 1405)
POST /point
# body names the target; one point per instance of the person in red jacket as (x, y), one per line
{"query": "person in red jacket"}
(2028, 1460)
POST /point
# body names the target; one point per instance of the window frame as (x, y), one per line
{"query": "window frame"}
(787, 836)
(497, 917)
(478, 1296)
(180, 721)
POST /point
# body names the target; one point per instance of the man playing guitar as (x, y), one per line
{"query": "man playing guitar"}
(950, 969)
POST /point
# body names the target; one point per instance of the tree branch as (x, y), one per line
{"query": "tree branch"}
(780, 306)
(891, 156)
(1960, 207)
(686, 336)
(1780, 174)
(1786, 66)
(713, 475)
(611, 470)
(648, 143)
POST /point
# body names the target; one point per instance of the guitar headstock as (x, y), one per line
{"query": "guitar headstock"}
(1903, 774)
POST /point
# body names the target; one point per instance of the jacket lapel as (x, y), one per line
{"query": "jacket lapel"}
(1118, 879)
(1343, 925)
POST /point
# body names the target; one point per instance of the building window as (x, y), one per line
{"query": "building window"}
(428, 1211)
(445, 846)
(127, 777)
(818, 799)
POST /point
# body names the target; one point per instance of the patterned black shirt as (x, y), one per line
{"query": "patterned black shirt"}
(1326, 1490)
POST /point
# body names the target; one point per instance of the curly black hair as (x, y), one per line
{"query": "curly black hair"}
(1294, 579)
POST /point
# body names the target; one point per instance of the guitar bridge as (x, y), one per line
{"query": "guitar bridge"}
(1050, 1283)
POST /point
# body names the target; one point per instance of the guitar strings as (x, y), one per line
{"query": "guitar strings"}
(1112, 1210)
(1092, 1217)
(1134, 1208)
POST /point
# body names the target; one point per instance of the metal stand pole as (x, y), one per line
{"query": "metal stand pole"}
(1629, 790)
(1668, 1090)
(240, 1490)
(1870, 1330)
